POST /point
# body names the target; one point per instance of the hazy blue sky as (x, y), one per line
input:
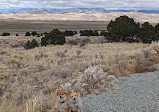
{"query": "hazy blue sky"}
(108, 4)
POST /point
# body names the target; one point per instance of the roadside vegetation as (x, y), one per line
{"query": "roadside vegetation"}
(35, 67)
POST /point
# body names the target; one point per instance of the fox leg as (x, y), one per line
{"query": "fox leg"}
(66, 110)
(55, 110)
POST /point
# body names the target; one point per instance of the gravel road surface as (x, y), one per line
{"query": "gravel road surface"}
(139, 93)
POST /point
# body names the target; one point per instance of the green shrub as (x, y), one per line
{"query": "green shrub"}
(157, 28)
(147, 33)
(103, 33)
(34, 33)
(31, 45)
(156, 36)
(54, 37)
(70, 33)
(44, 41)
(122, 28)
(27, 34)
(89, 33)
(6, 34)
(75, 33)
(38, 35)
(45, 33)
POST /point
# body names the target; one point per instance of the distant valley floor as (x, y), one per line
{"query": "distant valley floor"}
(22, 26)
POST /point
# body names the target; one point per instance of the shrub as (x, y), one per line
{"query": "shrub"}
(17, 45)
(122, 28)
(70, 33)
(31, 45)
(41, 68)
(60, 54)
(103, 33)
(78, 52)
(73, 42)
(54, 37)
(156, 36)
(34, 43)
(38, 35)
(3, 77)
(156, 48)
(93, 81)
(17, 35)
(3, 52)
(77, 41)
(89, 33)
(157, 28)
(6, 34)
(75, 33)
(148, 53)
(144, 67)
(127, 30)
(65, 72)
(44, 41)
(27, 34)
(34, 33)
(1, 92)
(45, 33)
(146, 33)
(27, 45)
(41, 55)
(84, 42)
(96, 33)
(13, 62)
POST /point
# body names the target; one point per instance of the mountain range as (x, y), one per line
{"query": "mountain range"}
(79, 16)
(82, 10)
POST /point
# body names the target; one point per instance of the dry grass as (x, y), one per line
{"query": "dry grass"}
(29, 78)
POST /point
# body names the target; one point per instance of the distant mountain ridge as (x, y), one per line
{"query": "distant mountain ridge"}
(80, 16)
(39, 12)
(82, 10)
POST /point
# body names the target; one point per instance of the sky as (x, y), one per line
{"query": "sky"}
(107, 4)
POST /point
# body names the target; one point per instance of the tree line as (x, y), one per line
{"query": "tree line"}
(122, 29)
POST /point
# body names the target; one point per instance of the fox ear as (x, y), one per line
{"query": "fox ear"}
(76, 90)
(57, 91)
(69, 92)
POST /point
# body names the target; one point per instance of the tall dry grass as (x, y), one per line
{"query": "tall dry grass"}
(31, 77)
